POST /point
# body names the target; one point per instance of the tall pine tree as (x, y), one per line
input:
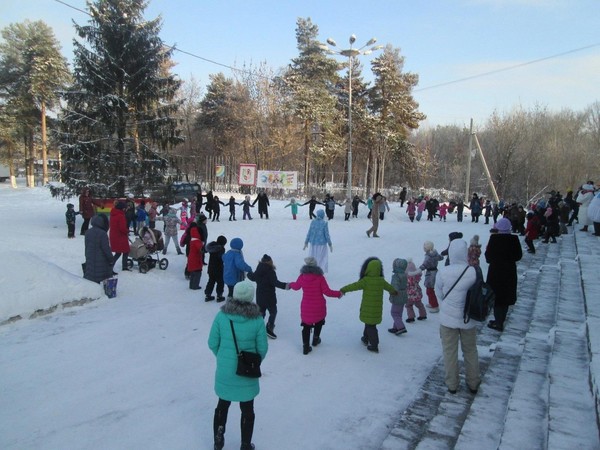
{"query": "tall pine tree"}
(310, 82)
(32, 71)
(119, 121)
(396, 111)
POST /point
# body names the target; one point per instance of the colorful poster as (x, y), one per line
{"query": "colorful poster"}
(247, 175)
(220, 171)
(277, 179)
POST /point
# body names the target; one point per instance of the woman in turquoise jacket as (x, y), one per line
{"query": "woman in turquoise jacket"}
(372, 283)
(251, 336)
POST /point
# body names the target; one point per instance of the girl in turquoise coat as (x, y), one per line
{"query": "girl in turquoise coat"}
(251, 336)
(372, 283)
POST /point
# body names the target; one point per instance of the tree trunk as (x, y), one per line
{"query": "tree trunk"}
(44, 149)
(30, 160)
(306, 156)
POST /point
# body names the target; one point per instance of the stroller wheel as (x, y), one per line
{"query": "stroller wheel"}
(129, 263)
(143, 267)
(163, 264)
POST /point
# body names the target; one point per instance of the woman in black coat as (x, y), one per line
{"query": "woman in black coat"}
(502, 253)
(98, 257)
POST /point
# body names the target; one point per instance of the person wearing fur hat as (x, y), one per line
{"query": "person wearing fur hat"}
(266, 281)
(398, 301)
(318, 238)
(234, 265)
(98, 257)
(502, 253)
(414, 293)
(194, 259)
(118, 234)
(372, 283)
(70, 216)
(216, 250)
(313, 307)
(474, 251)
(451, 285)
(430, 263)
(242, 316)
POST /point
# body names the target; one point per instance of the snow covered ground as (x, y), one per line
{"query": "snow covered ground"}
(135, 372)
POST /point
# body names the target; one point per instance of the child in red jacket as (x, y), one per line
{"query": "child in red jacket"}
(194, 261)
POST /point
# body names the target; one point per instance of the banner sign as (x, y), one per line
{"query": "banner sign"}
(247, 175)
(277, 179)
(219, 171)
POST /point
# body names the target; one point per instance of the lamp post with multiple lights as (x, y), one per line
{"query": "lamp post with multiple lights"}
(350, 53)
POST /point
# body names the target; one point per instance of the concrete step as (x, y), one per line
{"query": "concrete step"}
(536, 375)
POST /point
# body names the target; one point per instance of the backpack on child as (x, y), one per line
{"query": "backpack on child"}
(480, 299)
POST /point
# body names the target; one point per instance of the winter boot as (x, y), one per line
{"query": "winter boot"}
(219, 422)
(247, 427)
(270, 333)
(317, 334)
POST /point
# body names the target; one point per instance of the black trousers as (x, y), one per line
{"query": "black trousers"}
(371, 333)
(84, 226)
(246, 422)
(210, 285)
(123, 261)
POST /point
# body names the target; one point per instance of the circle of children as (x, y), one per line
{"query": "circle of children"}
(547, 218)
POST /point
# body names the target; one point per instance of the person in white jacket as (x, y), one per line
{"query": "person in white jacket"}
(452, 326)
(584, 199)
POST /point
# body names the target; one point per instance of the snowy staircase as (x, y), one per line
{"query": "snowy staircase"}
(536, 389)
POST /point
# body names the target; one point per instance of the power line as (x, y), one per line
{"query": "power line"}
(504, 69)
(177, 49)
(435, 86)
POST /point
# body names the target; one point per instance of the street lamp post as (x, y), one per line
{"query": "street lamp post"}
(350, 53)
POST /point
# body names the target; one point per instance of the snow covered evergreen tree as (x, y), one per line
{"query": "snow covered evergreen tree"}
(119, 122)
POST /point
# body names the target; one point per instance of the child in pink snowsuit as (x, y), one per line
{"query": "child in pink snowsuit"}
(443, 210)
(415, 294)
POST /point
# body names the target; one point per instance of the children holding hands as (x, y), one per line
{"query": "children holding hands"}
(372, 283)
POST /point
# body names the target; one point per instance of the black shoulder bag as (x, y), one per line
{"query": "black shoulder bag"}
(248, 362)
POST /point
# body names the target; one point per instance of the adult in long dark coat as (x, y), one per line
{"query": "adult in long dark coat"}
(263, 204)
(98, 257)
(502, 253)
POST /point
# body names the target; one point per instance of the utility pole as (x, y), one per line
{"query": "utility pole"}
(468, 186)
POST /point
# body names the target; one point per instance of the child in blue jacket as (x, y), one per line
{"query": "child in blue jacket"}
(234, 265)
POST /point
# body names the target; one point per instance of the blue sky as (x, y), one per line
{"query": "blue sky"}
(442, 41)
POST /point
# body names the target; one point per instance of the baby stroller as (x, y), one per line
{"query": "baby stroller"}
(146, 251)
